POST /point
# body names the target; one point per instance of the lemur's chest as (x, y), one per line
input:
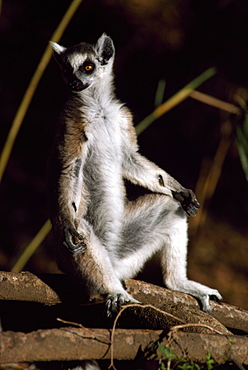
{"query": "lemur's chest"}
(104, 136)
(102, 167)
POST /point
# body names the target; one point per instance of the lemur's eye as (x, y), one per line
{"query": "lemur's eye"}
(88, 67)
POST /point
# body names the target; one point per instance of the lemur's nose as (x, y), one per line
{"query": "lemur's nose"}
(76, 85)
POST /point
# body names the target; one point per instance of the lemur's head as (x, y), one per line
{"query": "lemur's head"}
(85, 64)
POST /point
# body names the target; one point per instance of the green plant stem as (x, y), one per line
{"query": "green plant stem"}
(32, 87)
(160, 93)
(175, 100)
(31, 248)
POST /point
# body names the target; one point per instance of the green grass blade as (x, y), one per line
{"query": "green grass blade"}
(175, 99)
(242, 143)
(159, 96)
(31, 248)
(21, 112)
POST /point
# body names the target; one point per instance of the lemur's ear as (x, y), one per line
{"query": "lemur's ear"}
(58, 49)
(105, 48)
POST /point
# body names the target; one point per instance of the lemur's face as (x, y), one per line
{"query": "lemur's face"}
(79, 69)
(83, 65)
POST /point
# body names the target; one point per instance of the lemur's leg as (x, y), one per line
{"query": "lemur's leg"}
(157, 222)
(93, 268)
(174, 265)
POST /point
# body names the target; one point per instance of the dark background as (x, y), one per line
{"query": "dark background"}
(174, 40)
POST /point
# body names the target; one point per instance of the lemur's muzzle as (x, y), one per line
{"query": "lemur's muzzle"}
(76, 85)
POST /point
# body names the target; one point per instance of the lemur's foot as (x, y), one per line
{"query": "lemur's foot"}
(204, 299)
(201, 292)
(74, 241)
(116, 300)
(188, 201)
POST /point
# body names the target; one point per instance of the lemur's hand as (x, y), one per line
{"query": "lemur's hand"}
(73, 241)
(188, 201)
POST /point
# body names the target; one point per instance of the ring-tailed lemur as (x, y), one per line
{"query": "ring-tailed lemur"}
(102, 238)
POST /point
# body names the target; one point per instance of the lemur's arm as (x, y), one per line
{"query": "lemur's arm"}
(139, 170)
(69, 202)
(68, 185)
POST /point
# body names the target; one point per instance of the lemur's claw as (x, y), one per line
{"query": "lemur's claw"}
(75, 250)
(205, 300)
(116, 300)
(188, 201)
(191, 209)
(74, 242)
